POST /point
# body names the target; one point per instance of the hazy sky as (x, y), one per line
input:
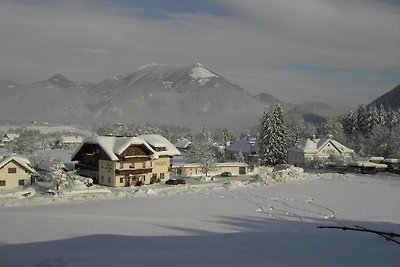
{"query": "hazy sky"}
(343, 52)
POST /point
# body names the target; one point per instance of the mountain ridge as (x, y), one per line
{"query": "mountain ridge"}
(188, 95)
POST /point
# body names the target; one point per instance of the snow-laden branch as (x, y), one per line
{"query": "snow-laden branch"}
(387, 235)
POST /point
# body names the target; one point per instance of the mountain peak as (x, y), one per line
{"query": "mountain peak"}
(61, 81)
(200, 72)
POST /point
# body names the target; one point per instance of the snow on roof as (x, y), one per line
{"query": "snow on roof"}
(182, 164)
(114, 146)
(244, 145)
(315, 145)
(71, 139)
(156, 140)
(377, 158)
(362, 164)
(182, 143)
(390, 160)
(24, 162)
(9, 137)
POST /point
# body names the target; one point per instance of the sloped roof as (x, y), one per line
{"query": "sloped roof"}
(24, 162)
(9, 137)
(315, 145)
(71, 139)
(114, 146)
(182, 143)
(244, 145)
(156, 140)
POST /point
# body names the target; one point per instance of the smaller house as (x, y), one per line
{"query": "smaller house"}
(8, 137)
(179, 167)
(317, 149)
(14, 172)
(247, 146)
(183, 144)
(69, 142)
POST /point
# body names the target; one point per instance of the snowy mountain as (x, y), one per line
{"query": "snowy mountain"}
(190, 95)
(389, 100)
(186, 95)
(55, 99)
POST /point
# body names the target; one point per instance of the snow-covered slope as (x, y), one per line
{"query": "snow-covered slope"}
(211, 224)
(189, 95)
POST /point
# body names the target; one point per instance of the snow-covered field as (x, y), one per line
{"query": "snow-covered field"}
(237, 223)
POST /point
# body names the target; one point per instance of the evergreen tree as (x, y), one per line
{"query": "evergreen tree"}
(363, 121)
(273, 144)
(350, 125)
(391, 119)
(279, 147)
(265, 137)
(381, 120)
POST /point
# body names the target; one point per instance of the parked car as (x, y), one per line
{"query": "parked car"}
(175, 181)
(226, 174)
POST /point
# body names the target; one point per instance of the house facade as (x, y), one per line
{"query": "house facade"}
(181, 168)
(125, 161)
(319, 149)
(14, 172)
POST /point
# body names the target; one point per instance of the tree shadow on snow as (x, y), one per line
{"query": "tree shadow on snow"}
(251, 241)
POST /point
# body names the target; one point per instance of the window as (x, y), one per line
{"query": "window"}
(143, 164)
(161, 176)
(121, 165)
(121, 180)
(2, 183)
(21, 182)
(154, 175)
(132, 164)
(12, 170)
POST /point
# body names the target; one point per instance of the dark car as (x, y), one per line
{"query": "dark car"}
(175, 181)
(226, 174)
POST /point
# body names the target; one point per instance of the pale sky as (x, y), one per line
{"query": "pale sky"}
(342, 52)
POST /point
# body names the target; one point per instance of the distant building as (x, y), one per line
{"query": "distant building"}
(125, 161)
(69, 142)
(248, 146)
(181, 168)
(8, 138)
(14, 172)
(183, 144)
(317, 149)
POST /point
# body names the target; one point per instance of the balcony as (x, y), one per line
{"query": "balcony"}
(133, 171)
(86, 167)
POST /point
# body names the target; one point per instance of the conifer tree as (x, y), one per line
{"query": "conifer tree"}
(265, 137)
(273, 144)
(350, 125)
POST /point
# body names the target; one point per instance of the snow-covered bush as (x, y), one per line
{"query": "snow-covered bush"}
(280, 174)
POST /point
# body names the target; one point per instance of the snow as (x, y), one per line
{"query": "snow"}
(199, 72)
(217, 223)
(316, 144)
(245, 145)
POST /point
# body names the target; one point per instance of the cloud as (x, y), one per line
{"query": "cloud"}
(94, 50)
(256, 46)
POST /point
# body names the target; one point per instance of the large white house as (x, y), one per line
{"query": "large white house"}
(317, 149)
(125, 161)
